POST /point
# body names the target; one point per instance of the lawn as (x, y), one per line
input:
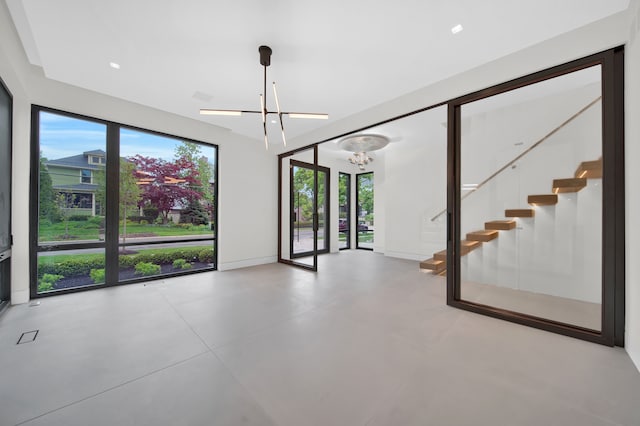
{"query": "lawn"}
(89, 230)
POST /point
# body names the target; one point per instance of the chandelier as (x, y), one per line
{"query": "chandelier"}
(265, 61)
(359, 145)
(360, 159)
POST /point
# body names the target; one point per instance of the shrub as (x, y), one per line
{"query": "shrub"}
(206, 255)
(44, 222)
(179, 263)
(97, 275)
(70, 268)
(139, 219)
(144, 222)
(147, 268)
(151, 212)
(47, 282)
(79, 217)
(97, 220)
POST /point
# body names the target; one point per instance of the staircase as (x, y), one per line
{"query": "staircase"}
(586, 170)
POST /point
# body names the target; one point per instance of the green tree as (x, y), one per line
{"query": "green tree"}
(343, 195)
(365, 195)
(303, 186)
(129, 193)
(193, 152)
(48, 202)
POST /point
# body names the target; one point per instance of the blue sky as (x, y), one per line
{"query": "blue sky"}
(62, 136)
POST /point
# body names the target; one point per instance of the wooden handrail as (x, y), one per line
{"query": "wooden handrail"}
(506, 166)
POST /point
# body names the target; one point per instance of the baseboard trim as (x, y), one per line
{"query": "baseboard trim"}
(226, 266)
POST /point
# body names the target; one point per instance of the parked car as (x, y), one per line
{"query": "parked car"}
(362, 226)
(343, 225)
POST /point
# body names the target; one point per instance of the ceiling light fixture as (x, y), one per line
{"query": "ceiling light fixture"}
(265, 61)
(114, 65)
(456, 29)
(360, 144)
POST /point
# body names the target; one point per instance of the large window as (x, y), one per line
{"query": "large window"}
(114, 204)
(364, 201)
(344, 210)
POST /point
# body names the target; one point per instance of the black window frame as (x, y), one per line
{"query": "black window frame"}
(111, 242)
(613, 217)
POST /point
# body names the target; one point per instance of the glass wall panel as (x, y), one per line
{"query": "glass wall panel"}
(364, 199)
(71, 182)
(166, 212)
(531, 209)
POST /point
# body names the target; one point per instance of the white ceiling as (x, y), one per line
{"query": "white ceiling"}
(334, 56)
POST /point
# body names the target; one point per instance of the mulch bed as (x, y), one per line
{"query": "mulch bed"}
(125, 274)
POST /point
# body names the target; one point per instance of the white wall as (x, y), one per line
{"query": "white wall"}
(416, 187)
(632, 171)
(247, 174)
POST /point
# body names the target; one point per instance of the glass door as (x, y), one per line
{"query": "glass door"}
(301, 181)
(5, 195)
(302, 209)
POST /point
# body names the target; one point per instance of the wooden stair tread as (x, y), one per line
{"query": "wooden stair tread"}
(519, 212)
(483, 235)
(467, 246)
(500, 225)
(568, 185)
(543, 200)
(441, 255)
(433, 265)
(589, 169)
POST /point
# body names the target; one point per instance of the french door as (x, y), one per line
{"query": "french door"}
(300, 215)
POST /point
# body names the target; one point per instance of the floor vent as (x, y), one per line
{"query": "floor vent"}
(28, 337)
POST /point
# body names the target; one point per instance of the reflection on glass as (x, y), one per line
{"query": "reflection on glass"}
(531, 215)
(71, 180)
(60, 270)
(344, 207)
(364, 196)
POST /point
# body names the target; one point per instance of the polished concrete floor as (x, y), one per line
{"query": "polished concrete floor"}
(366, 341)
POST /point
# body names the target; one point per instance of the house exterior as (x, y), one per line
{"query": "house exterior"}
(75, 178)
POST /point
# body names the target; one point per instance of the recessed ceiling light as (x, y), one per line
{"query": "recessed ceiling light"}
(456, 29)
(114, 65)
(273, 121)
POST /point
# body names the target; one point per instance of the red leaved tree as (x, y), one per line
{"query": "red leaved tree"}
(167, 185)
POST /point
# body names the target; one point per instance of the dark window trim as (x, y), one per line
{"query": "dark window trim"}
(612, 324)
(348, 204)
(111, 243)
(358, 175)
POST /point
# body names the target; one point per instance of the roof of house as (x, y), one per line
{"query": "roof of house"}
(78, 161)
